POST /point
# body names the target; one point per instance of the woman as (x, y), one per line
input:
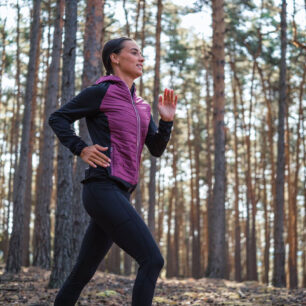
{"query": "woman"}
(119, 124)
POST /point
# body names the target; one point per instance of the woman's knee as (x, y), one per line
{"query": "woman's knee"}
(157, 261)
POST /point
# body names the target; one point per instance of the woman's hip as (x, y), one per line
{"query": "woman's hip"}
(107, 203)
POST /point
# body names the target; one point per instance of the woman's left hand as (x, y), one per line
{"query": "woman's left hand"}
(167, 105)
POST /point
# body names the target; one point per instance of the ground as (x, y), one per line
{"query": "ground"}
(29, 287)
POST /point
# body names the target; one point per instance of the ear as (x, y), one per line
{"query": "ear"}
(114, 58)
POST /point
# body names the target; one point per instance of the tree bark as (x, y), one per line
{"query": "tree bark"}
(196, 243)
(126, 14)
(176, 242)
(63, 225)
(42, 238)
(28, 192)
(152, 182)
(92, 70)
(14, 259)
(237, 260)
(279, 277)
(267, 225)
(191, 235)
(209, 144)
(216, 212)
(3, 56)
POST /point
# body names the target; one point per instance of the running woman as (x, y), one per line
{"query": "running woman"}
(119, 123)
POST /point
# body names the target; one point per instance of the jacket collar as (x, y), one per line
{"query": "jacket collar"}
(116, 79)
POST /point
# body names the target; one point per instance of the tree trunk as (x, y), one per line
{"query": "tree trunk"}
(127, 25)
(63, 225)
(142, 37)
(279, 278)
(14, 137)
(136, 34)
(267, 225)
(152, 183)
(216, 211)
(92, 70)
(3, 57)
(191, 235)
(299, 139)
(238, 277)
(42, 238)
(14, 259)
(176, 239)
(28, 192)
(4, 236)
(304, 221)
(169, 256)
(209, 144)
(251, 232)
(196, 249)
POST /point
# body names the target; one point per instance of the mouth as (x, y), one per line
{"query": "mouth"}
(139, 66)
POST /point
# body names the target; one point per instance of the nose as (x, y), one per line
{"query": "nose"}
(142, 58)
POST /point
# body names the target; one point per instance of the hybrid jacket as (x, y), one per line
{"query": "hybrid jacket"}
(116, 118)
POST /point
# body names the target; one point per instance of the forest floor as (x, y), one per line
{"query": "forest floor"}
(29, 287)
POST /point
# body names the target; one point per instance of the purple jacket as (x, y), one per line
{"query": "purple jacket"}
(116, 118)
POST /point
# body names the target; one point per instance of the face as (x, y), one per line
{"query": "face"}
(129, 61)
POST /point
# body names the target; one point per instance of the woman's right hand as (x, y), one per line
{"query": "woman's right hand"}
(92, 156)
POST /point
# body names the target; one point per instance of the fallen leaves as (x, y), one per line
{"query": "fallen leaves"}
(29, 287)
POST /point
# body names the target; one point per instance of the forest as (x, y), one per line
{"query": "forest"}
(226, 200)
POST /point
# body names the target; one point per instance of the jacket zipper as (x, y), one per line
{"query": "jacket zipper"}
(138, 130)
(111, 156)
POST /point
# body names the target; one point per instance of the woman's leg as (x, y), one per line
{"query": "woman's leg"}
(95, 245)
(113, 212)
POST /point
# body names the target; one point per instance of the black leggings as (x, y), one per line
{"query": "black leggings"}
(113, 219)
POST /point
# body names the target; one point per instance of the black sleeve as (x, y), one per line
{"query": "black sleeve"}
(85, 104)
(157, 138)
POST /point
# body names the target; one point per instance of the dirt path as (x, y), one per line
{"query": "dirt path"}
(29, 288)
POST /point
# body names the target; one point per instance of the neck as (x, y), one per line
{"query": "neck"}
(125, 78)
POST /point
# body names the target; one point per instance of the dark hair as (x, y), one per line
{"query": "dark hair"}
(112, 46)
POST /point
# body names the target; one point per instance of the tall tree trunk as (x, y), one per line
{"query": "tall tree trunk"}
(251, 232)
(279, 278)
(42, 238)
(293, 192)
(4, 236)
(176, 242)
(92, 70)
(14, 259)
(191, 235)
(292, 211)
(304, 221)
(3, 57)
(296, 178)
(142, 37)
(63, 247)
(216, 211)
(237, 260)
(152, 182)
(196, 249)
(209, 144)
(14, 135)
(169, 256)
(267, 225)
(28, 192)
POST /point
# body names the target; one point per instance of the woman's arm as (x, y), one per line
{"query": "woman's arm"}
(85, 104)
(157, 138)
